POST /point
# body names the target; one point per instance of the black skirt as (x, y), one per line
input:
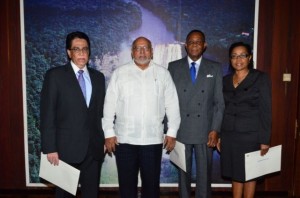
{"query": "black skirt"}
(234, 145)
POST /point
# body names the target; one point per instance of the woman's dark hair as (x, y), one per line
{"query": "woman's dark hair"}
(248, 49)
(74, 35)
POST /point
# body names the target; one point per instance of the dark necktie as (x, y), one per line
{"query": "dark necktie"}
(81, 82)
(193, 72)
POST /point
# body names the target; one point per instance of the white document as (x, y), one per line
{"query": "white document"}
(177, 156)
(63, 175)
(257, 165)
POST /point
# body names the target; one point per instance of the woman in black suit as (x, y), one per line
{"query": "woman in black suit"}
(246, 124)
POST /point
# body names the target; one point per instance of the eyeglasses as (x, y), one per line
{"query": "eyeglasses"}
(195, 42)
(140, 48)
(241, 56)
(77, 50)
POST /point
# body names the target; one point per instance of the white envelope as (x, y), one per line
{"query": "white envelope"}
(257, 165)
(177, 156)
(63, 175)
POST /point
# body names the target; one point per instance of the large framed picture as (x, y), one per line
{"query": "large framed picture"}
(112, 26)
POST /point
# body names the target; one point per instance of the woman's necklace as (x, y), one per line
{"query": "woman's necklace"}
(237, 79)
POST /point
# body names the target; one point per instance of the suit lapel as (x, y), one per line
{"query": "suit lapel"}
(93, 83)
(249, 80)
(185, 71)
(203, 71)
(201, 78)
(74, 85)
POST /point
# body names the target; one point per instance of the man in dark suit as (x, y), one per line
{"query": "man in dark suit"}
(199, 86)
(71, 116)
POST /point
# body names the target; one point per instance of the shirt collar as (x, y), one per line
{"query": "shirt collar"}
(137, 67)
(76, 69)
(198, 62)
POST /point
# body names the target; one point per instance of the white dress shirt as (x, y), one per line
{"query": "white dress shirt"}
(139, 100)
(197, 64)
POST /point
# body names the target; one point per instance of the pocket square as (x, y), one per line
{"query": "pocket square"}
(209, 76)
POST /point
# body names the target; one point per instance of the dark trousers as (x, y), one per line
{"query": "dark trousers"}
(89, 178)
(203, 157)
(134, 158)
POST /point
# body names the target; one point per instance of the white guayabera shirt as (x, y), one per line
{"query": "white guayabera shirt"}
(136, 102)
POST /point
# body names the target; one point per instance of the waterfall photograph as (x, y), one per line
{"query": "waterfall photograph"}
(112, 26)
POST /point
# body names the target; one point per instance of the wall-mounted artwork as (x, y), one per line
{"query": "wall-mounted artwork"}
(112, 26)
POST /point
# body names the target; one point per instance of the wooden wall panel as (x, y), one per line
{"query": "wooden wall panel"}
(278, 53)
(294, 62)
(12, 164)
(264, 61)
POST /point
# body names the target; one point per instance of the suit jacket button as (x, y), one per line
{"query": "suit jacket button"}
(187, 115)
(198, 116)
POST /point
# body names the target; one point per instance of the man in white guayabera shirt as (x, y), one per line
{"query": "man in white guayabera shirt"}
(138, 97)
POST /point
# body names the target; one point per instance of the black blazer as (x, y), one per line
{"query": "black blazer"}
(248, 106)
(68, 126)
